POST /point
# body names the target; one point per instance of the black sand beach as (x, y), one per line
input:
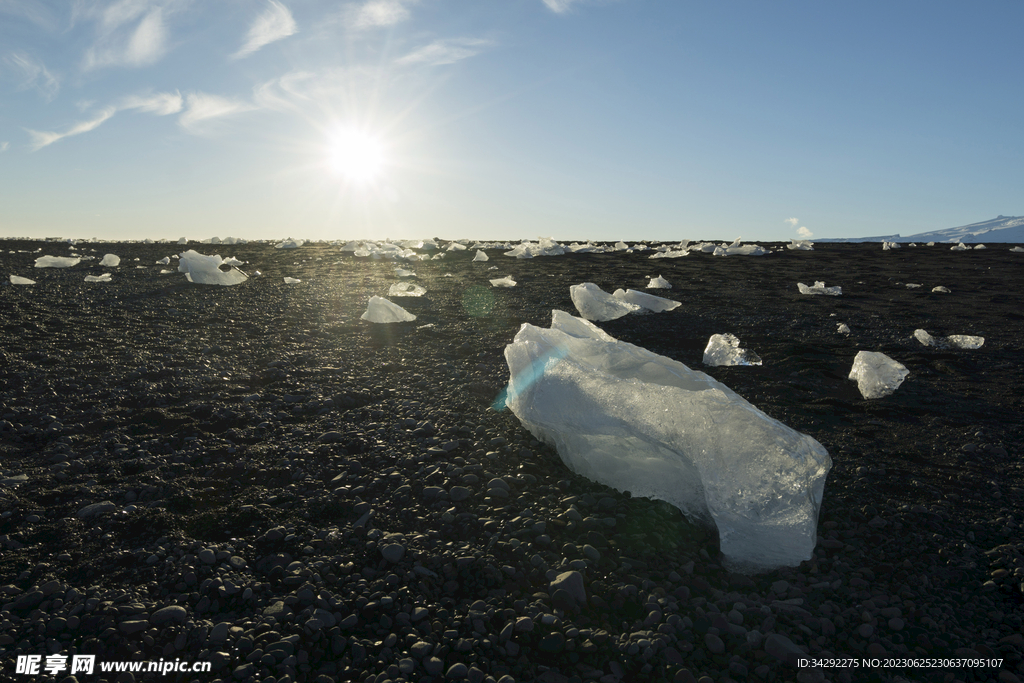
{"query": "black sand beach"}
(254, 477)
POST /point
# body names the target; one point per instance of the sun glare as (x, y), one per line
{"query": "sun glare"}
(355, 155)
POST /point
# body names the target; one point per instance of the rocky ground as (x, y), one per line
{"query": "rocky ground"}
(254, 477)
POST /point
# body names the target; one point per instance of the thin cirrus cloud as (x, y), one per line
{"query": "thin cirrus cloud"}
(275, 23)
(34, 74)
(130, 34)
(202, 108)
(446, 51)
(161, 104)
(4, 146)
(380, 13)
(42, 139)
(561, 6)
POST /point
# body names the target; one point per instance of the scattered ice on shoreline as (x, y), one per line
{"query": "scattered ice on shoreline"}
(876, 374)
(593, 303)
(480, 256)
(57, 261)
(631, 419)
(801, 245)
(380, 310)
(110, 260)
(959, 341)
(506, 281)
(18, 280)
(940, 290)
(648, 302)
(291, 280)
(545, 246)
(289, 244)
(98, 278)
(406, 289)
(843, 328)
(724, 350)
(659, 283)
(819, 288)
(205, 270)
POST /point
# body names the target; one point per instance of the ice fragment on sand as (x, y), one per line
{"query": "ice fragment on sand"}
(57, 261)
(958, 341)
(480, 256)
(648, 302)
(182, 240)
(801, 245)
(843, 328)
(594, 303)
(545, 246)
(670, 253)
(164, 261)
(959, 246)
(819, 288)
(659, 283)
(912, 285)
(291, 280)
(737, 249)
(940, 290)
(402, 272)
(380, 310)
(205, 270)
(406, 289)
(1018, 249)
(724, 349)
(876, 374)
(98, 278)
(886, 246)
(980, 246)
(637, 421)
(506, 281)
(18, 280)
(289, 244)
(110, 260)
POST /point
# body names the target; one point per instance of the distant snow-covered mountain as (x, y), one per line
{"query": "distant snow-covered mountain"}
(999, 229)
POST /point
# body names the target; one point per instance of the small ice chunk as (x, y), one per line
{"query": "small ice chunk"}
(959, 246)
(594, 303)
(455, 246)
(380, 310)
(958, 341)
(1018, 249)
(289, 244)
(164, 261)
(402, 272)
(232, 261)
(659, 283)
(406, 289)
(480, 256)
(98, 278)
(724, 349)
(886, 246)
(182, 240)
(506, 281)
(205, 270)
(291, 280)
(670, 253)
(940, 290)
(819, 288)
(876, 374)
(649, 302)
(911, 285)
(980, 246)
(57, 261)
(801, 245)
(18, 280)
(631, 419)
(110, 260)
(164, 271)
(843, 328)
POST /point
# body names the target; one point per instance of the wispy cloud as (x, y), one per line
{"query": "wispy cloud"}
(804, 232)
(161, 104)
(42, 139)
(36, 12)
(561, 6)
(380, 13)
(131, 33)
(34, 74)
(446, 51)
(203, 107)
(792, 221)
(275, 23)
(4, 146)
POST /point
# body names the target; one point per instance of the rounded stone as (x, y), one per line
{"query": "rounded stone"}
(172, 614)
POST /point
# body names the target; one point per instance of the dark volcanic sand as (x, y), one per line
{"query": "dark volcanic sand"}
(242, 434)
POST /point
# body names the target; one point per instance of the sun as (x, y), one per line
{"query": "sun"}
(355, 155)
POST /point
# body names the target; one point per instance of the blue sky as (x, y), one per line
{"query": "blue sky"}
(488, 119)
